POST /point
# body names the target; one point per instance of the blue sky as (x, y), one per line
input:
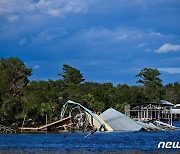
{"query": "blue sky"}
(108, 41)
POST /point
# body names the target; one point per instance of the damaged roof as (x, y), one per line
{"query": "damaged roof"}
(118, 121)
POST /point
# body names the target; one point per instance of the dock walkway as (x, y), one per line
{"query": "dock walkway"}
(45, 126)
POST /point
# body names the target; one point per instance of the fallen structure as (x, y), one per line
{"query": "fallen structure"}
(76, 117)
(110, 120)
(65, 122)
(164, 126)
(149, 126)
(82, 118)
(156, 125)
(119, 122)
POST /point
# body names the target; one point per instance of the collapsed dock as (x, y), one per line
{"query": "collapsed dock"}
(65, 122)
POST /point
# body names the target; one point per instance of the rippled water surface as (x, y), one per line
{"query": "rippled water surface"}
(116, 142)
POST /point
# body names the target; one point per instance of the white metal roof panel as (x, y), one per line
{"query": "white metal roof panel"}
(118, 121)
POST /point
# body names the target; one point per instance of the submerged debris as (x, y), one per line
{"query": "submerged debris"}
(156, 125)
(149, 126)
(164, 126)
(6, 130)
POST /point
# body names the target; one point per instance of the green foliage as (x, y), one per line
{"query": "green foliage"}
(152, 84)
(71, 75)
(13, 80)
(149, 77)
(34, 100)
(172, 92)
(41, 98)
(13, 75)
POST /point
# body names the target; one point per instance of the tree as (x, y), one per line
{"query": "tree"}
(151, 83)
(13, 75)
(13, 79)
(71, 75)
(41, 98)
(172, 92)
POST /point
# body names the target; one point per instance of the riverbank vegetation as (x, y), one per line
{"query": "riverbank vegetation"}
(21, 98)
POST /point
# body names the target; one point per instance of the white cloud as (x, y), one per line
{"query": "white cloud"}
(14, 7)
(98, 35)
(48, 35)
(54, 12)
(51, 7)
(61, 8)
(122, 36)
(170, 70)
(36, 67)
(155, 34)
(141, 45)
(13, 18)
(22, 41)
(148, 50)
(6, 6)
(168, 48)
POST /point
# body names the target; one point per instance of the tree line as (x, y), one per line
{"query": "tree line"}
(21, 98)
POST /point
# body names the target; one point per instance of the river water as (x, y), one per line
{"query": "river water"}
(116, 142)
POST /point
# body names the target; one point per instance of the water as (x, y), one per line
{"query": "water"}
(116, 142)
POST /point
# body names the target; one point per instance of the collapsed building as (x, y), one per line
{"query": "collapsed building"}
(110, 120)
(76, 117)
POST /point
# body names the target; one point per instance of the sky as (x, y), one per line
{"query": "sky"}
(108, 41)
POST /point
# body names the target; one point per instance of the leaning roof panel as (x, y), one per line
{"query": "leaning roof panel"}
(118, 121)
